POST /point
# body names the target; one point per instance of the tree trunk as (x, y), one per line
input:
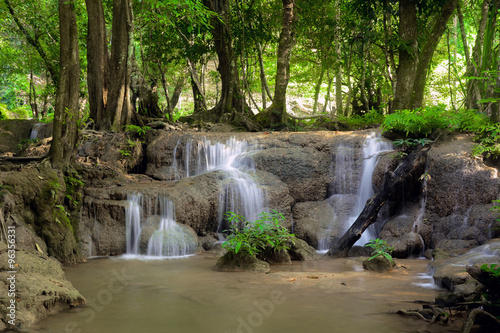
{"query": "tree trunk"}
(174, 99)
(317, 89)
(473, 93)
(66, 113)
(32, 97)
(408, 54)
(428, 49)
(277, 111)
(97, 61)
(392, 183)
(263, 80)
(119, 110)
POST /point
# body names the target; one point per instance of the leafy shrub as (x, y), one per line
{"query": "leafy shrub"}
(419, 122)
(369, 119)
(250, 238)
(137, 130)
(380, 249)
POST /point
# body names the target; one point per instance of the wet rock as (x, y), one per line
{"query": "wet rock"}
(405, 245)
(457, 181)
(239, 263)
(438, 254)
(301, 251)
(12, 131)
(378, 264)
(312, 219)
(275, 257)
(304, 170)
(42, 289)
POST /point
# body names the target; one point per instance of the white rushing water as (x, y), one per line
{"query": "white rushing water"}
(373, 146)
(240, 193)
(352, 187)
(133, 216)
(169, 240)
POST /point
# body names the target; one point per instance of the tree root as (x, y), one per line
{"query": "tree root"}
(411, 313)
(471, 318)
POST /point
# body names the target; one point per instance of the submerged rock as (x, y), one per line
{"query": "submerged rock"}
(378, 264)
(239, 263)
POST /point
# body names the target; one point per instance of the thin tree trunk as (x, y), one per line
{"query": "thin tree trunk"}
(428, 49)
(277, 110)
(32, 97)
(66, 113)
(349, 85)
(333, 111)
(200, 104)
(449, 71)
(318, 88)
(473, 93)
(363, 79)
(263, 80)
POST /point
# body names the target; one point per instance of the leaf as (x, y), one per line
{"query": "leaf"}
(38, 248)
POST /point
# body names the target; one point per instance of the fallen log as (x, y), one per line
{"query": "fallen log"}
(369, 214)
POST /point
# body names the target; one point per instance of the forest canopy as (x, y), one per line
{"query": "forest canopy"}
(253, 63)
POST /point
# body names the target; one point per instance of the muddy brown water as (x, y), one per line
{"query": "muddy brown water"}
(187, 295)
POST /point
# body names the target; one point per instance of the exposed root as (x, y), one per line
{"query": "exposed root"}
(471, 318)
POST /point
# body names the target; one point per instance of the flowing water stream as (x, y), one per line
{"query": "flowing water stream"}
(186, 295)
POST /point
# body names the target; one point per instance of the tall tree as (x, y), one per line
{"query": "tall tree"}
(276, 113)
(97, 60)
(119, 107)
(415, 51)
(66, 114)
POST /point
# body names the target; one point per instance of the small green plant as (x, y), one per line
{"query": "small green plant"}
(492, 269)
(251, 238)
(137, 130)
(26, 143)
(54, 188)
(380, 249)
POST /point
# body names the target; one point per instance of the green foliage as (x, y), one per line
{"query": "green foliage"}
(250, 238)
(419, 122)
(26, 143)
(137, 130)
(488, 141)
(492, 269)
(367, 120)
(380, 249)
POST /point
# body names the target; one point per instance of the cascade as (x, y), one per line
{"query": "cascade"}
(373, 146)
(169, 240)
(35, 130)
(133, 215)
(349, 192)
(421, 212)
(240, 192)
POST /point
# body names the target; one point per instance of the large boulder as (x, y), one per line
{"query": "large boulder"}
(304, 170)
(458, 181)
(41, 288)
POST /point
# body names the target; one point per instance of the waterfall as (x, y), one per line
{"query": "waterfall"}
(373, 146)
(169, 240)
(133, 215)
(351, 188)
(420, 217)
(240, 192)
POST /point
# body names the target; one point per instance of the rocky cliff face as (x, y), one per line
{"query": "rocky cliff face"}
(297, 172)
